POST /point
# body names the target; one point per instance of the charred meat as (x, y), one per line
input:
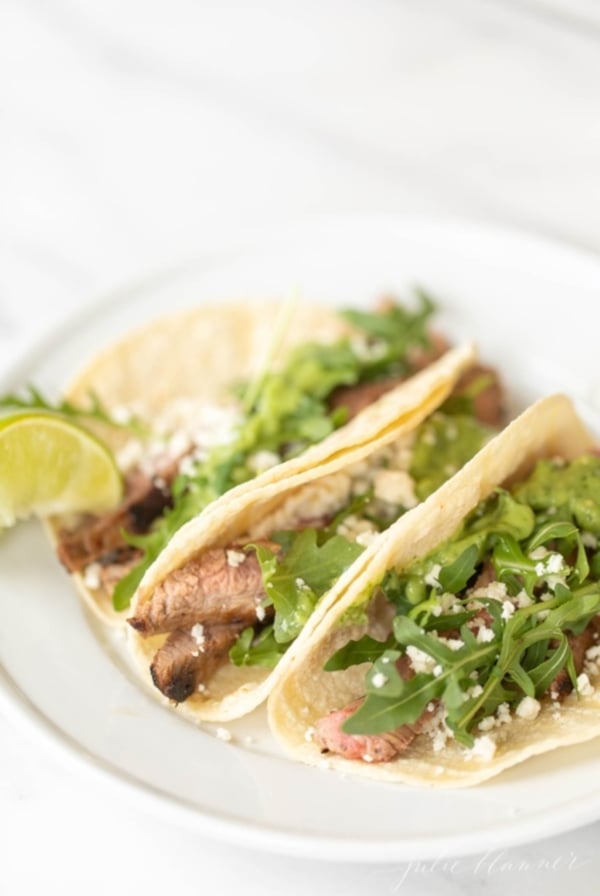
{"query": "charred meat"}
(187, 659)
(145, 499)
(221, 586)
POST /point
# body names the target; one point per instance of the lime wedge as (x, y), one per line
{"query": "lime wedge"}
(50, 465)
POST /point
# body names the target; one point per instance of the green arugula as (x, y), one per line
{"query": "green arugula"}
(528, 646)
(33, 399)
(294, 582)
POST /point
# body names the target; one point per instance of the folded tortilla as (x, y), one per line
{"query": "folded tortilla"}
(193, 355)
(305, 693)
(249, 509)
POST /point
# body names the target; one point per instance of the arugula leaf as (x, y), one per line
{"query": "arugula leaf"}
(295, 582)
(363, 650)
(378, 714)
(260, 649)
(454, 577)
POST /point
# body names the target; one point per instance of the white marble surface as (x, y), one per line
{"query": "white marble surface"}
(135, 134)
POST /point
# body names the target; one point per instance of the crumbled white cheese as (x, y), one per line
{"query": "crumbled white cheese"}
(260, 613)
(262, 460)
(197, 633)
(437, 670)
(431, 578)
(235, 558)
(395, 487)
(555, 563)
(493, 590)
(483, 748)
(528, 708)
(487, 723)
(484, 635)
(419, 660)
(592, 660)
(522, 599)
(309, 734)
(223, 734)
(379, 680)
(121, 415)
(447, 603)
(508, 608)
(187, 465)
(367, 757)
(178, 444)
(436, 727)
(364, 539)
(355, 526)
(503, 714)
(91, 576)
(584, 685)
(550, 563)
(454, 643)
(130, 454)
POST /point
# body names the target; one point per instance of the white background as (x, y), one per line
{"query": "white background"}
(137, 134)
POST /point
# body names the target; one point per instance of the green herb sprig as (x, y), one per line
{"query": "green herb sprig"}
(34, 399)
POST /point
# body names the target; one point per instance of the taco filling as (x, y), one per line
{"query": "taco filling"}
(245, 602)
(498, 621)
(196, 452)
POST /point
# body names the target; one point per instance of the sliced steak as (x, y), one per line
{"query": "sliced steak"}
(184, 662)
(356, 398)
(209, 589)
(114, 566)
(145, 499)
(488, 404)
(366, 747)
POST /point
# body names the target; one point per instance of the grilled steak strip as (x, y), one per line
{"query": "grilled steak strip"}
(114, 565)
(356, 398)
(145, 499)
(183, 662)
(488, 405)
(368, 747)
(207, 589)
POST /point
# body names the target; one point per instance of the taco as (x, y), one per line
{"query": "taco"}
(469, 640)
(209, 398)
(234, 588)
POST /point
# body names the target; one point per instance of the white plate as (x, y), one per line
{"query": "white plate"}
(534, 309)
